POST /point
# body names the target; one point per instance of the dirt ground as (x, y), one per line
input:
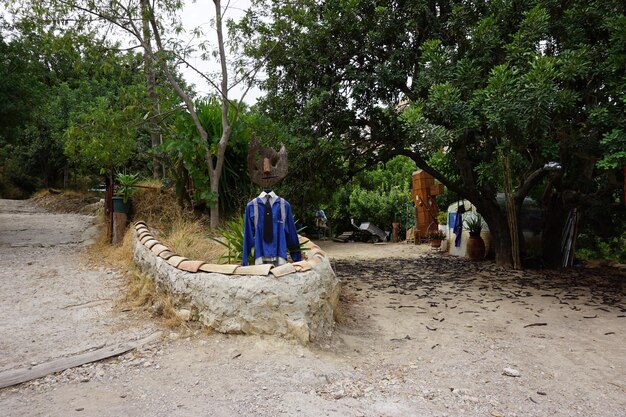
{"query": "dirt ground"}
(420, 334)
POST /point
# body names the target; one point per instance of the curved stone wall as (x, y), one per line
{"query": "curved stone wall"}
(294, 300)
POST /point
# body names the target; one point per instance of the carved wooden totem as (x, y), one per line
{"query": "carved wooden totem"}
(266, 166)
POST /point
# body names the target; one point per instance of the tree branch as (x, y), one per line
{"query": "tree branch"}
(533, 179)
(179, 91)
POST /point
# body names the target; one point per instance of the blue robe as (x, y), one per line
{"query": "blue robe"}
(285, 235)
(458, 228)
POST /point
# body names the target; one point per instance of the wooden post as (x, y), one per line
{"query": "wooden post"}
(119, 227)
(416, 230)
(394, 236)
(108, 206)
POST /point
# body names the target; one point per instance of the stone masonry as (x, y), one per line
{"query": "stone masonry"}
(295, 301)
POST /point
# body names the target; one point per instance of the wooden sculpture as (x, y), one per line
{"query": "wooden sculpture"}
(266, 166)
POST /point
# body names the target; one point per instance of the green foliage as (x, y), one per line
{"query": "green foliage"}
(442, 218)
(127, 185)
(614, 143)
(231, 237)
(381, 195)
(75, 102)
(103, 134)
(187, 155)
(474, 224)
(612, 248)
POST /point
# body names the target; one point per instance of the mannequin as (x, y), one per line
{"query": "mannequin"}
(283, 236)
(269, 227)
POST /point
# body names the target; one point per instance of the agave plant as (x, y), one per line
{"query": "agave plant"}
(232, 239)
(127, 185)
(474, 224)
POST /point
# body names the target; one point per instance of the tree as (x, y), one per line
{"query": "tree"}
(496, 88)
(382, 194)
(187, 151)
(154, 26)
(165, 53)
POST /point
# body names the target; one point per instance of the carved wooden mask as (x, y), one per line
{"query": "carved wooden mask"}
(266, 166)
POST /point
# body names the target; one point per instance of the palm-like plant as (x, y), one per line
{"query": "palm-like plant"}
(474, 224)
(232, 239)
(127, 185)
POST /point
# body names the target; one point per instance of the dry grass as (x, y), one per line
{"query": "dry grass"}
(183, 231)
(116, 256)
(67, 201)
(142, 293)
(158, 207)
(191, 240)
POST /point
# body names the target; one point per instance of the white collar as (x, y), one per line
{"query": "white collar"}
(272, 194)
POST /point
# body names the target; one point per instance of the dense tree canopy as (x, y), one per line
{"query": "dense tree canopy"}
(496, 88)
(523, 97)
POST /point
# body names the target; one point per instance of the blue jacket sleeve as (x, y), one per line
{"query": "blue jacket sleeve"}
(291, 235)
(248, 234)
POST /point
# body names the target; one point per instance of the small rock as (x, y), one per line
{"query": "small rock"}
(146, 364)
(542, 393)
(511, 372)
(338, 395)
(184, 314)
(80, 409)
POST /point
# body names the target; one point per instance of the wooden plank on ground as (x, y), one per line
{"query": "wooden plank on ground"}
(18, 376)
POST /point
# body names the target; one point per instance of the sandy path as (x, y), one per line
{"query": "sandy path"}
(383, 360)
(51, 303)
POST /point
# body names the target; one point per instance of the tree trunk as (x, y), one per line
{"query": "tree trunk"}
(498, 229)
(215, 208)
(501, 241)
(554, 216)
(153, 128)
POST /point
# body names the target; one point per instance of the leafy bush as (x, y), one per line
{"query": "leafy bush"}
(592, 247)
(381, 195)
(232, 239)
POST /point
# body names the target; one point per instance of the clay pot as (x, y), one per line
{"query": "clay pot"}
(476, 248)
(435, 243)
